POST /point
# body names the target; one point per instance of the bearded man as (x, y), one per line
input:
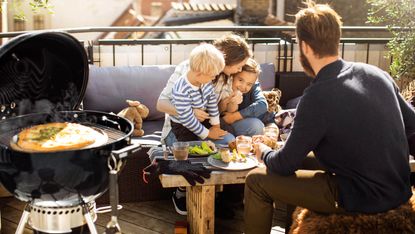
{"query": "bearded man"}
(352, 118)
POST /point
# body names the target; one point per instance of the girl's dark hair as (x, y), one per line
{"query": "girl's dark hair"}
(234, 48)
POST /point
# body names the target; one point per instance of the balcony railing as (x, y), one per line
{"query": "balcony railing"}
(277, 48)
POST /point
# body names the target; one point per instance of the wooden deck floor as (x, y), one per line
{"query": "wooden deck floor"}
(137, 218)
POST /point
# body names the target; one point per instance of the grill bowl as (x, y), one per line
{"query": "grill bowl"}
(60, 178)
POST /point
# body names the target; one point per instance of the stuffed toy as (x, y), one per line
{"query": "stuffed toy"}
(135, 112)
(273, 99)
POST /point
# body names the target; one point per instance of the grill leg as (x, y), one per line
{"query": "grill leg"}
(88, 219)
(23, 220)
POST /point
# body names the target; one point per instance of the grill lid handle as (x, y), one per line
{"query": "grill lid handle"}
(124, 152)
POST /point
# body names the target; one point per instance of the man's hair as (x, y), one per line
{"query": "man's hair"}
(320, 27)
(205, 58)
(234, 48)
(251, 66)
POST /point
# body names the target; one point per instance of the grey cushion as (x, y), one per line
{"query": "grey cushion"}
(267, 76)
(109, 87)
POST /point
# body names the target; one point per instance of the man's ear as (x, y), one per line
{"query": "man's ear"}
(307, 50)
(305, 47)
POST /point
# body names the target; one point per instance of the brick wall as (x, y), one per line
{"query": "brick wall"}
(252, 12)
(353, 12)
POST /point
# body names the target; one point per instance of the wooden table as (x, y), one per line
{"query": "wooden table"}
(200, 199)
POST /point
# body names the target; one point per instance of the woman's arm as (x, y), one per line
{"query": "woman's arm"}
(164, 101)
(164, 105)
(255, 105)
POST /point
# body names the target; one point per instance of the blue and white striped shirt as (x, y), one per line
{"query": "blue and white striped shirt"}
(186, 97)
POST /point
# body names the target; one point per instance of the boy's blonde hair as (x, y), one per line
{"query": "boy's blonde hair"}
(206, 59)
(251, 66)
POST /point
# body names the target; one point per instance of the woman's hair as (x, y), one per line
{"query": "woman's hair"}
(320, 27)
(234, 48)
(207, 59)
(251, 66)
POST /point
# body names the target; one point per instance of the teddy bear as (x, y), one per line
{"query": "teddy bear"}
(135, 112)
(273, 99)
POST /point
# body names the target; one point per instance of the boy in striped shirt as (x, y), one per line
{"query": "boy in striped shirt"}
(195, 91)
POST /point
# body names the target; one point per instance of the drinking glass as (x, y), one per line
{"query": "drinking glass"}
(180, 150)
(272, 132)
(243, 144)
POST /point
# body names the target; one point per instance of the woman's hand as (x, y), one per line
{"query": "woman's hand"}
(201, 115)
(216, 133)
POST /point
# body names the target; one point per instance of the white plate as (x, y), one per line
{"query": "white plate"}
(251, 162)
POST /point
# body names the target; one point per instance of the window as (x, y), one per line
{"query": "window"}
(38, 22)
(19, 25)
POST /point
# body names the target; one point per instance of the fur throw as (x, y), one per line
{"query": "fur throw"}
(135, 112)
(399, 220)
(273, 99)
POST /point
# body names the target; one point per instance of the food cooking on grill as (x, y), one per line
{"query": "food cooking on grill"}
(56, 137)
(204, 148)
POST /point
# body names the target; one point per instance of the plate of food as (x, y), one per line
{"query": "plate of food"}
(227, 160)
(201, 148)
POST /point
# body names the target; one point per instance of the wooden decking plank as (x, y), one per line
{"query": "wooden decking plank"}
(126, 226)
(13, 202)
(163, 205)
(11, 214)
(155, 212)
(8, 227)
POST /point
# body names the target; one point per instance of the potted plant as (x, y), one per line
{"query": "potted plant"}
(398, 16)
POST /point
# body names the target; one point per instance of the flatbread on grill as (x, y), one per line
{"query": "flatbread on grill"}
(56, 137)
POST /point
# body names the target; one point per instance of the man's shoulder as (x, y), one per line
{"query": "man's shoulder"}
(359, 66)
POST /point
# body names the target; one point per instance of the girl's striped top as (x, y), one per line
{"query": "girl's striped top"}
(186, 97)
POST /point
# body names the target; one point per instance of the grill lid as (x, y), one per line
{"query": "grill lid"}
(42, 72)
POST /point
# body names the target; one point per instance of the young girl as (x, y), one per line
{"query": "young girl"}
(237, 90)
(232, 90)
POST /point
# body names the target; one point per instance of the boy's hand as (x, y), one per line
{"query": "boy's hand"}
(236, 97)
(216, 133)
(231, 118)
(201, 115)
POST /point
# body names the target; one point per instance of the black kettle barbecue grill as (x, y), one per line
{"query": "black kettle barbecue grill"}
(43, 78)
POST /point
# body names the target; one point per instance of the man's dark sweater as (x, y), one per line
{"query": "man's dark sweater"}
(354, 119)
